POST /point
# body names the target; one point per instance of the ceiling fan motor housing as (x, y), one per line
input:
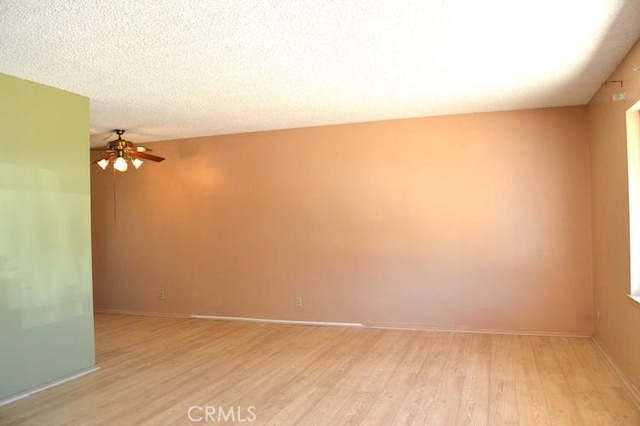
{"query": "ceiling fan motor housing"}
(119, 144)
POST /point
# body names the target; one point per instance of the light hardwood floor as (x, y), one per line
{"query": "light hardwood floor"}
(153, 370)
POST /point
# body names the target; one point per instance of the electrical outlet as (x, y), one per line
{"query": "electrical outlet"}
(161, 294)
(298, 301)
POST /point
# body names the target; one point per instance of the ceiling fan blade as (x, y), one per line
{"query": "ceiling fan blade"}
(146, 156)
(98, 149)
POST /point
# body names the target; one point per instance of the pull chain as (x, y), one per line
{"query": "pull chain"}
(115, 209)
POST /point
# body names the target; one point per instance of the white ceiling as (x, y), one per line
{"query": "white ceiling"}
(166, 69)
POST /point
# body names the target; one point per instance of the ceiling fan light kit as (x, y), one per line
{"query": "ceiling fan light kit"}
(121, 152)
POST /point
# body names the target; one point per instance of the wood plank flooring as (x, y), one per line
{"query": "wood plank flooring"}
(154, 370)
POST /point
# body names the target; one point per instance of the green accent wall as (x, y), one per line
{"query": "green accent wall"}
(46, 306)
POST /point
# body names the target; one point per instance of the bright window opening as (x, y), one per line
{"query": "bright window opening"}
(633, 160)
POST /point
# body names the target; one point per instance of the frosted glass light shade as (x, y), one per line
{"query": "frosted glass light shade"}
(103, 163)
(120, 164)
(136, 162)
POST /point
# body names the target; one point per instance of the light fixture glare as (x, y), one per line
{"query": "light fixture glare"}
(103, 163)
(136, 163)
(120, 164)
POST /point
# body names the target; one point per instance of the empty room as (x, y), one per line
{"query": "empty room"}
(320, 212)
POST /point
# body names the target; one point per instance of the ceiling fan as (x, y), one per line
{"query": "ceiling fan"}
(121, 152)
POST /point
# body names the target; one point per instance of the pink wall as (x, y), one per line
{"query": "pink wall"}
(618, 330)
(476, 221)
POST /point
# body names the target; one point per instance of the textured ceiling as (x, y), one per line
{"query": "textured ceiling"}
(173, 69)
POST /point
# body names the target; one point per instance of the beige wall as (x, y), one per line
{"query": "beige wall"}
(476, 221)
(618, 330)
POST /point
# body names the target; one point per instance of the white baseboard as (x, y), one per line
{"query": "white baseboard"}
(277, 321)
(477, 331)
(140, 313)
(47, 386)
(382, 326)
(633, 391)
(227, 318)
